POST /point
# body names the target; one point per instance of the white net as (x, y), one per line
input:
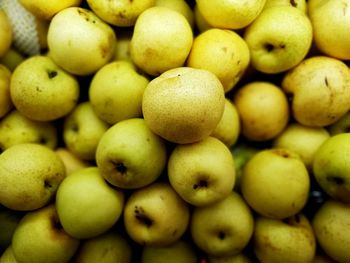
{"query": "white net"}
(25, 36)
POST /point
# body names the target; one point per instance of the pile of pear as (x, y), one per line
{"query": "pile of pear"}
(176, 131)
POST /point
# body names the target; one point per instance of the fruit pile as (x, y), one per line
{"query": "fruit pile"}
(174, 131)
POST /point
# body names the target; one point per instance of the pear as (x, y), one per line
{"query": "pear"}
(120, 14)
(331, 167)
(5, 97)
(275, 183)
(155, 215)
(223, 228)
(34, 183)
(6, 33)
(80, 27)
(303, 140)
(12, 58)
(109, 247)
(278, 39)
(202, 173)
(200, 22)
(129, 155)
(157, 45)
(330, 224)
(40, 238)
(181, 6)
(47, 9)
(42, 91)
(180, 251)
(86, 205)
(319, 91)
(15, 128)
(328, 17)
(8, 256)
(122, 49)
(222, 45)
(299, 4)
(342, 125)
(116, 90)
(229, 127)
(82, 131)
(291, 240)
(71, 162)
(263, 110)
(230, 14)
(9, 220)
(240, 258)
(190, 101)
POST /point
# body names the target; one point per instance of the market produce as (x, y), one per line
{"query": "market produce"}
(174, 131)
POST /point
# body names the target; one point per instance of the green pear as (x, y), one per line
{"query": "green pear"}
(15, 128)
(5, 97)
(331, 166)
(318, 90)
(41, 90)
(190, 101)
(223, 228)
(202, 173)
(342, 125)
(275, 183)
(155, 215)
(180, 251)
(34, 182)
(9, 220)
(330, 224)
(240, 258)
(278, 39)
(290, 240)
(303, 140)
(89, 42)
(40, 238)
(8, 256)
(109, 247)
(82, 131)
(129, 155)
(116, 90)
(86, 205)
(157, 45)
(71, 162)
(12, 58)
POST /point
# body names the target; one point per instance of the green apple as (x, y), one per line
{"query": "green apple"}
(33, 183)
(223, 228)
(317, 90)
(290, 240)
(6, 33)
(15, 128)
(263, 110)
(331, 167)
(229, 127)
(8, 256)
(79, 34)
(41, 90)
(230, 14)
(157, 45)
(39, 237)
(328, 17)
(278, 39)
(202, 173)
(9, 220)
(71, 162)
(181, 6)
(342, 125)
(222, 45)
(275, 183)
(180, 251)
(330, 224)
(109, 247)
(240, 258)
(86, 205)
(303, 140)
(129, 155)
(120, 13)
(5, 97)
(116, 90)
(190, 101)
(82, 131)
(47, 9)
(156, 215)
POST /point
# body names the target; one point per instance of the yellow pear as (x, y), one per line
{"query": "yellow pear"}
(221, 45)
(240, 258)
(190, 101)
(5, 97)
(180, 6)
(263, 110)
(300, 4)
(320, 90)
(8, 256)
(6, 34)
(157, 45)
(71, 162)
(12, 58)
(200, 22)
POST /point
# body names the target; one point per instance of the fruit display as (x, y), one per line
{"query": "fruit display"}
(160, 131)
